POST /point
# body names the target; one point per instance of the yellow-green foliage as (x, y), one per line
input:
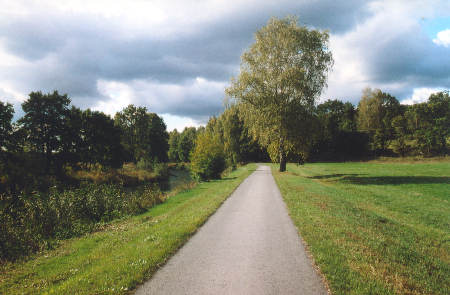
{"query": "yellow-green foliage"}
(208, 157)
(282, 74)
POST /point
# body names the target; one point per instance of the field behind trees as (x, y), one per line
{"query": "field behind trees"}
(374, 227)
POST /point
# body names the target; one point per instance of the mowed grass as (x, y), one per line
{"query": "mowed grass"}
(374, 228)
(124, 254)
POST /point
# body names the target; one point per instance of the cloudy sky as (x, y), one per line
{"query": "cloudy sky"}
(176, 57)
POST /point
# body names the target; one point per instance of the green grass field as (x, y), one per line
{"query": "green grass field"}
(124, 254)
(374, 228)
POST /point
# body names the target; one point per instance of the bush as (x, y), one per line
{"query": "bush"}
(208, 157)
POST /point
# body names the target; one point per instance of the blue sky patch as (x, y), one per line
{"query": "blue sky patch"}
(435, 25)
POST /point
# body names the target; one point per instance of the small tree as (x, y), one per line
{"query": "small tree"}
(44, 123)
(282, 75)
(101, 137)
(133, 121)
(158, 137)
(208, 157)
(186, 143)
(144, 134)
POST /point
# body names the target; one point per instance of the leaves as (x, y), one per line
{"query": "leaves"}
(207, 158)
(144, 134)
(282, 75)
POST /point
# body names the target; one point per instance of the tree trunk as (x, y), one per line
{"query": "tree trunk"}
(282, 161)
(282, 154)
(48, 158)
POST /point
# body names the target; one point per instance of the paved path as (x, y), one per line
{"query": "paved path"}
(249, 246)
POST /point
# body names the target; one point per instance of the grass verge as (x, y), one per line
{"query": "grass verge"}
(124, 254)
(374, 228)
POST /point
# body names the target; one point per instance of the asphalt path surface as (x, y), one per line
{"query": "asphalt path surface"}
(249, 246)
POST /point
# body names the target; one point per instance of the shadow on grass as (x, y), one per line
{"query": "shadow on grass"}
(335, 175)
(382, 180)
(228, 178)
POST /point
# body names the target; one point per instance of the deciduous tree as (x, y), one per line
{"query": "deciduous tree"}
(186, 143)
(144, 134)
(44, 123)
(376, 110)
(282, 74)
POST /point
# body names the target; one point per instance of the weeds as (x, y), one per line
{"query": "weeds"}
(125, 252)
(35, 221)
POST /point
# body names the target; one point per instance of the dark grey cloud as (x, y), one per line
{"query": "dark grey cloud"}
(195, 108)
(82, 48)
(186, 100)
(411, 57)
(71, 52)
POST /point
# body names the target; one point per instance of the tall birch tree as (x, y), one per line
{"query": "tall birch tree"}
(281, 77)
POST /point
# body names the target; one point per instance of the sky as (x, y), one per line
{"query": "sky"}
(177, 57)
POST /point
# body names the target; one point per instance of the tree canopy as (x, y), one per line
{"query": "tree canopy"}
(44, 123)
(186, 143)
(282, 74)
(144, 134)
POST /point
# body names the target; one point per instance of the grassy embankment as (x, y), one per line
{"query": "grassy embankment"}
(374, 228)
(126, 252)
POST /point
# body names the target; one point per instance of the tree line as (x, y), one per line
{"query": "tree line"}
(336, 131)
(381, 126)
(52, 135)
(273, 112)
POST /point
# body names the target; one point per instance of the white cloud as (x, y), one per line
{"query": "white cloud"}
(179, 122)
(182, 100)
(9, 95)
(170, 100)
(160, 19)
(391, 55)
(7, 59)
(7, 90)
(420, 95)
(348, 76)
(443, 38)
(118, 96)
